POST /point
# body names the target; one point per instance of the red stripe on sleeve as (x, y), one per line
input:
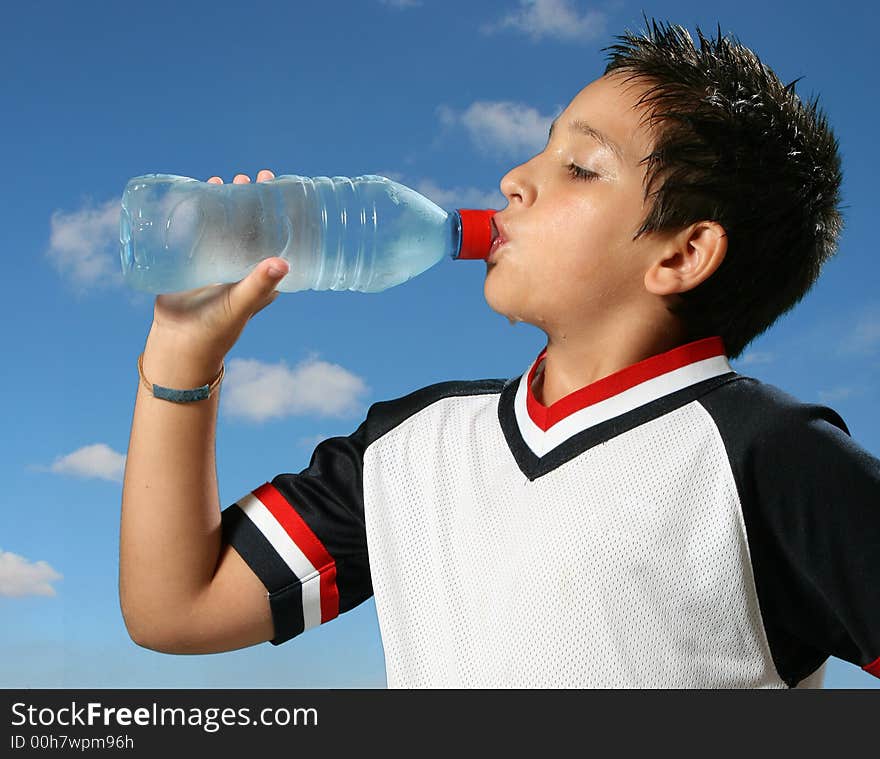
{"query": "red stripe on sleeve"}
(329, 594)
(873, 668)
(307, 542)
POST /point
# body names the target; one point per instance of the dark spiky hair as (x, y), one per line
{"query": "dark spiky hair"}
(734, 145)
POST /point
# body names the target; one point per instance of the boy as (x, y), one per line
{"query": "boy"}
(629, 512)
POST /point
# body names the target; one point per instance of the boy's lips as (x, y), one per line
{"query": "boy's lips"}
(499, 237)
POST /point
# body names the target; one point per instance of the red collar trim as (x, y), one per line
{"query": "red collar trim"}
(628, 377)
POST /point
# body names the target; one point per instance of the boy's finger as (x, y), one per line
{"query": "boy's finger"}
(255, 291)
(241, 179)
(265, 175)
(215, 180)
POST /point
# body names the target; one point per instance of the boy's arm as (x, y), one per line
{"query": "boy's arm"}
(178, 592)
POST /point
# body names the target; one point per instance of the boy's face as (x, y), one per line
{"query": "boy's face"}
(568, 263)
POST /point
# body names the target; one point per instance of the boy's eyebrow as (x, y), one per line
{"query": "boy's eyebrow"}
(582, 127)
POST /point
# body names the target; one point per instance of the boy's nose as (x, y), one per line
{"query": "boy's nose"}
(515, 185)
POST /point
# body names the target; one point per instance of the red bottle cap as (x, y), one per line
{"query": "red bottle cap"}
(476, 232)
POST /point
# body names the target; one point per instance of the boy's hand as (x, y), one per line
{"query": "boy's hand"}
(203, 324)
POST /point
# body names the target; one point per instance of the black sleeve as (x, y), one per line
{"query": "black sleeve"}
(304, 537)
(810, 497)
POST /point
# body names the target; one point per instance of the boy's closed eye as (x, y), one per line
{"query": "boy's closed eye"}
(579, 172)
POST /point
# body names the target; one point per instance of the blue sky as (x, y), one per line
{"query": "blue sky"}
(443, 96)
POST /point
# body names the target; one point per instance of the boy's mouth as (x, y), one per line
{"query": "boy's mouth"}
(498, 239)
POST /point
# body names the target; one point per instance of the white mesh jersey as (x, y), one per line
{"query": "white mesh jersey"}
(674, 525)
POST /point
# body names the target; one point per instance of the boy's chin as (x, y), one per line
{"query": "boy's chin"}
(512, 318)
(499, 304)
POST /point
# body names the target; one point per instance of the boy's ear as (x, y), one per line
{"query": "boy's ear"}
(689, 257)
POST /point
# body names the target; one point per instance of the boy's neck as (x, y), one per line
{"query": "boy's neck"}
(570, 365)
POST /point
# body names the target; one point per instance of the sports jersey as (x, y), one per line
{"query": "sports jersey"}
(673, 525)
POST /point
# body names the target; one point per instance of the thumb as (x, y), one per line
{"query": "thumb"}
(257, 289)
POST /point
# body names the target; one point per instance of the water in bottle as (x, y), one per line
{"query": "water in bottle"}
(366, 233)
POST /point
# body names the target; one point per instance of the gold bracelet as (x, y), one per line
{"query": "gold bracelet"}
(180, 396)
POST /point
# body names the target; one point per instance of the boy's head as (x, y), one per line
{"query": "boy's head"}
(711, 211)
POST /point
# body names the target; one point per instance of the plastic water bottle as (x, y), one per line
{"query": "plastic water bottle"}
(365, 233)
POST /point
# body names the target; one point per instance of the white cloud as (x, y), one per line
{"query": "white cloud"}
(501, 127)
(259, 391)
(455, 197)
(460, 197)
(840, 393)
(84, 245)
(396, 176)
(553, 19)
(864, 339)
(20, 577)
(401, 4)
(98, 461)
(756, 357)
(311, 441)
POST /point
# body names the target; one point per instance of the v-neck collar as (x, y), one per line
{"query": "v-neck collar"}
(541, 437)
(686, 360)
